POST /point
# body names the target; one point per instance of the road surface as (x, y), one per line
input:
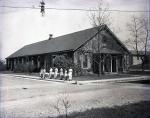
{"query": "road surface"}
(25, 97)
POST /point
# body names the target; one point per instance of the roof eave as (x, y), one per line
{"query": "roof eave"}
(70, 50)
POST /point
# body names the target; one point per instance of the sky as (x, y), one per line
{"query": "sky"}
(20, 27)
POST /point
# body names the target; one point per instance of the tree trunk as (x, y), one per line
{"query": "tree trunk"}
(99, 67)
(142, 65)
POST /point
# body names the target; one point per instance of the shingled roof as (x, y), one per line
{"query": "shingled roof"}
(69, 42)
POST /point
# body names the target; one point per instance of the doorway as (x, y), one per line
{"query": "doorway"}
(114, 64)
(107, 64)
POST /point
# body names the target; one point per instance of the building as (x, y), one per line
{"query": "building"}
(136, 58)
(86, 48)
(140, 61)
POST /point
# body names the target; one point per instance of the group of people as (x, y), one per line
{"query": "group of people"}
(54, 73)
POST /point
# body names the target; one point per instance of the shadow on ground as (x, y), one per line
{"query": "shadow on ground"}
(136, 110)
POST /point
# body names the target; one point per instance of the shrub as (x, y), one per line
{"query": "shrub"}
(18, 68)
(66, 63)
(62, 62)
(77, 70)
(2, 65)
(29, 67)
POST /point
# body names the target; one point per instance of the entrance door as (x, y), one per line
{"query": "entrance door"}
(114, 64)
(96, 63)
(107, 64)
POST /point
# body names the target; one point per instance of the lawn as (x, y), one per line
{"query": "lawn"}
(136, 110)
(141, 82)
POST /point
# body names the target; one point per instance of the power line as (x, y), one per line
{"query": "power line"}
(20, 7)
(68, 9)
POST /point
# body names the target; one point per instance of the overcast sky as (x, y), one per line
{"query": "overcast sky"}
(19, 27)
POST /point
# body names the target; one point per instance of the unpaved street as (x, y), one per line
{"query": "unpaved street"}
(24, 97)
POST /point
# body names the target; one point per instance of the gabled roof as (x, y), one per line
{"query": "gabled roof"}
(69, 42)
(117, 40)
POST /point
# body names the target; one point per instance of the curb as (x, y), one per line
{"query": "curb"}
(129, 79)
(39, 78)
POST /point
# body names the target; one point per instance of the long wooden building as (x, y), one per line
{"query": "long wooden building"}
(98, 44)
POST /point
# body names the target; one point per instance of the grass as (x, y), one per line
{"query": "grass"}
(105, 76)
(141, 82)
(134, 110)
(139, 66)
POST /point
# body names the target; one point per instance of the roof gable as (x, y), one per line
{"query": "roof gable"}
(113, 44)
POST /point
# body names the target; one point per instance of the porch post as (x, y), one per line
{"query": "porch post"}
(38, 62)
(122, 63)
(7, 63)
(127, 64)
(27, 59)
(111, 65)
(11, 64)
(116, 64)
(103, 63)
(18, 60)
(14, 62)
(32, 60)
(22, 60)
(51, 59)
(103, 66)
(45, 62)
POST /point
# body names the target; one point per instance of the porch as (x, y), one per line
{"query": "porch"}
(110, 63)
(37, 61)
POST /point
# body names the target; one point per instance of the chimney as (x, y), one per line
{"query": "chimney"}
(50, 36)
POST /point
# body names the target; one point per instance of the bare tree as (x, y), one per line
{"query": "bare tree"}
(139, 34)
(100, 17)
(145, 34)
(134, 27)
(66, 103)
(57, 106)
(62, 105)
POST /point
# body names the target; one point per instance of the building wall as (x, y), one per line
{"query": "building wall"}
(107, 46)
(83, 59)
(135, 60)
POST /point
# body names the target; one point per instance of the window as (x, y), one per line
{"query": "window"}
(85, 61)
(78, 59)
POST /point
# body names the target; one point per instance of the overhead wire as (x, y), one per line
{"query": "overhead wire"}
(73, 9)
